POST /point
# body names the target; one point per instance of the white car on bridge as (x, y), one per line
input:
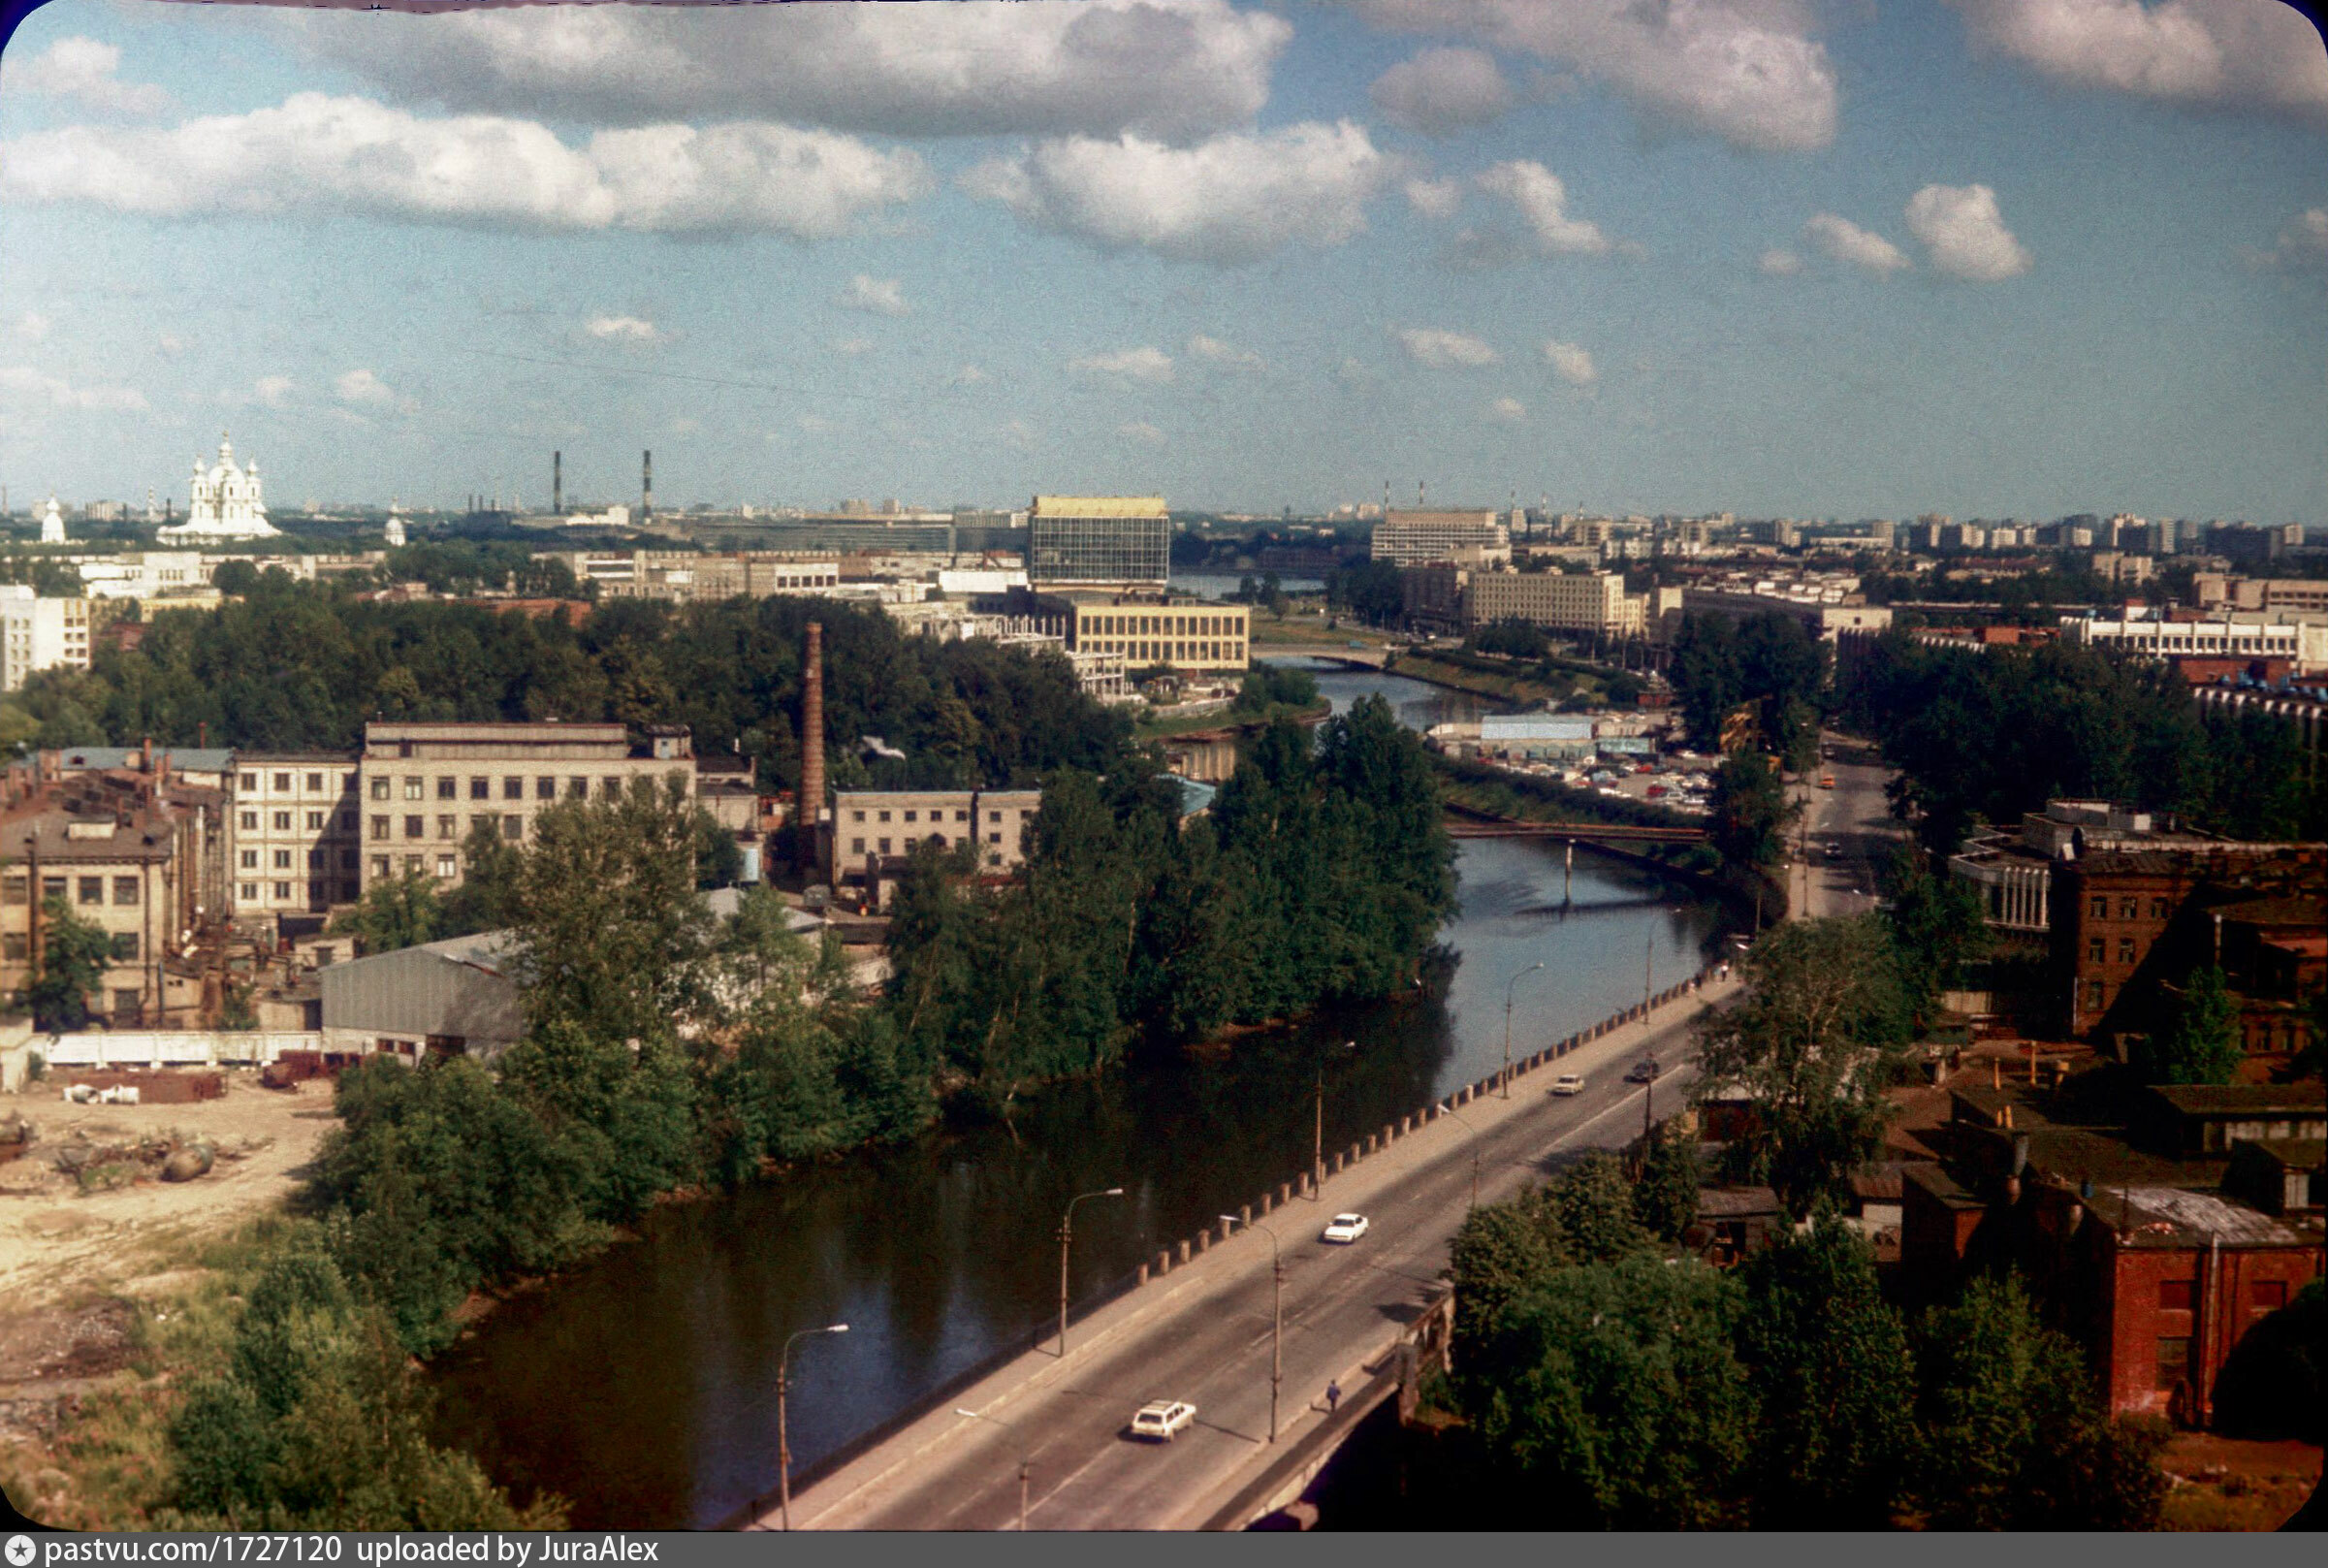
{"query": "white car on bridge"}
(1163, 1419)
(1345, 1228)
(1568, 1083)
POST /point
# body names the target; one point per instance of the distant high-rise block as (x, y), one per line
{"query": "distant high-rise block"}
(1099, 539)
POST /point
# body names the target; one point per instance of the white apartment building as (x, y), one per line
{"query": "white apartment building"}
(2271, 634)
(684, 577)
(293, 833)
(424, 787)
(151, 575)
(1563, 601)
(40, 634)
(1414, 538)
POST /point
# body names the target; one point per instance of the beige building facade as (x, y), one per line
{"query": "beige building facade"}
(1561, 601)
(422, 787)
(1467, 538)
(1191, 635)
(293, 833)
(874, 830)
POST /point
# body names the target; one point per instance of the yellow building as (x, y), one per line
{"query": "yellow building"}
(1191, 635)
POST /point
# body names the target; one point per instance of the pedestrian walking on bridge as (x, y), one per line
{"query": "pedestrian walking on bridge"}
(1333, 1397)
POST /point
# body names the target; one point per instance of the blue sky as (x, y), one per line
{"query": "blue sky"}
(1987, 258)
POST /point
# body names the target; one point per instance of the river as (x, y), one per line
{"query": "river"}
(641, 1386)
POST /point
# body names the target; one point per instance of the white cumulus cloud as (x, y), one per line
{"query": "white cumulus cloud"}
(2255, 55)
(2303, 246)
(1230, 200)
(1434, 198)
(852, 346)
(1778, 261)
(1140, 430)
(1439, 350)
(1442, 91)
(22, 381)
(1748, 71)
(361, 389)
(970, 375)
(1839, 238)
(1571, 363)
(622, 329)
(1507, 410)
(83, 70)
(272, 390)
(317, 153)
(1228, 356)
(1144, 363)
(32, 326)
(1175, 69)
(1966, 234)
(882, 296)
(1541, 202)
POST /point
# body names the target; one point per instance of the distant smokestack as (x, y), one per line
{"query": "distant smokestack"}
(645, 486)
(810, 807)
(558, 484)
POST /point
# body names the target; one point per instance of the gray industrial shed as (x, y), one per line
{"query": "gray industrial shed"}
(454, 995)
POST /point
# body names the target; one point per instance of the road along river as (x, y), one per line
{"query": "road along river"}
(641, 1386)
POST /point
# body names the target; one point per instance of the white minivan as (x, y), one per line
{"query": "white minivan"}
(1163, 1420)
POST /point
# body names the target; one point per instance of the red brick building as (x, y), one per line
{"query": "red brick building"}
(2124, 1233)
(2128, 922)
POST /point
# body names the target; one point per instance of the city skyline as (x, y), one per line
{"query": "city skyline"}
(1757, 257)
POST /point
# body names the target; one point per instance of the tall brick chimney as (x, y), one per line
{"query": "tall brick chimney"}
(809, 809)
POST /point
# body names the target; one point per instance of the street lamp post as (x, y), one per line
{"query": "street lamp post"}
(1277, 1313)
(783, 1446)
(1475, 1152)
(1067, 1234)
(1024, 1462)
(1317, 1136)
(1508, 990)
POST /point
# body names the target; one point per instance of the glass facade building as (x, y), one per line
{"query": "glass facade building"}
(1099, 539)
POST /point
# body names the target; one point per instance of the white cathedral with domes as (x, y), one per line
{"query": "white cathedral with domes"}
(223, 502)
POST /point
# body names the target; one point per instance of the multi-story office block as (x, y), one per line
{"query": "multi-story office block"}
(293, 833)
(423, 789)
(1414, 538)
(1099, 539)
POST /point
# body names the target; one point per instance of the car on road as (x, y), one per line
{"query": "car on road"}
(1645, 1070)
(1568, 1083)
(1825, 781)
(1834, 851)
(1345, 1228)
(1163, 1420)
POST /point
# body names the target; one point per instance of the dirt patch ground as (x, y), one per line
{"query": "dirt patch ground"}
(2220, 1484)
(60, 1243)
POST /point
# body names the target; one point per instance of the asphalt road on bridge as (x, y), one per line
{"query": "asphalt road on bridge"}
(1208, 1340)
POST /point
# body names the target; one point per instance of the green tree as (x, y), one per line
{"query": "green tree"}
(487, 899)
(1591, 1207)
(1665, 1199)
(1937, 926)
(319, 1422)
(1747, 812)
(1818, 1038)
(2012, 1436)
(2200, 1041)
(402, 912)
(1828, 1357)
(75, 954)
(2275, 1383)
(1611, 1394)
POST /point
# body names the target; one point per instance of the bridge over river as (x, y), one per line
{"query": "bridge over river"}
(1047, 1430)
